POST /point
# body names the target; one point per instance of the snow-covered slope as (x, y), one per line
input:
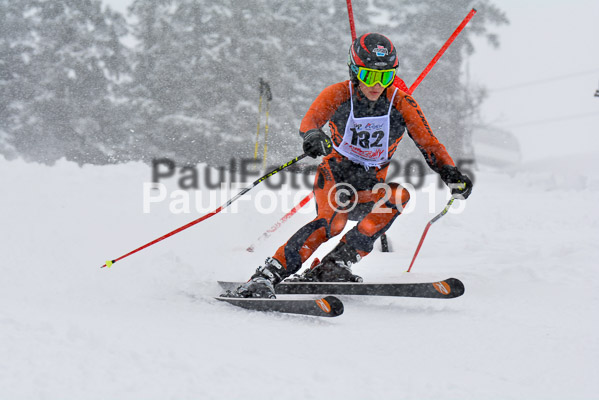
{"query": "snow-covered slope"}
(525, 246)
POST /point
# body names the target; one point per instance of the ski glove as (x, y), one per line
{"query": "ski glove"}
(460, 184)
(317, 143)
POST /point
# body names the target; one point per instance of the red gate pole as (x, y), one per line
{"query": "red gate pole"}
(350, 14)
(442, 50)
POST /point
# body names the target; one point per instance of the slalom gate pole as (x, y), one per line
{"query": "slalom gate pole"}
(268, 95)
(258, 130)
(259, 117)
(219, 209)
(399, 83)
(276, 226)
(442, 50)
(432, 221)
(350, 14)
(265, 136)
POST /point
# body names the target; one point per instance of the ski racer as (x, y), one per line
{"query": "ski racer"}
(367, 118)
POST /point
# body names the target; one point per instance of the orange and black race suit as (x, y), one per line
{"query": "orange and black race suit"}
(375, 210)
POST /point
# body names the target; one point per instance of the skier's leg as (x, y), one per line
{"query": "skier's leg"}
(363, 236)
(359, 241)
(289, 257)
(329, 222)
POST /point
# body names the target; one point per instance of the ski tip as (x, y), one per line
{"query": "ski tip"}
(331, 305)
(457, 287)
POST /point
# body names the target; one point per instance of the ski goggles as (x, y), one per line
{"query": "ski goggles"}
(371, 77)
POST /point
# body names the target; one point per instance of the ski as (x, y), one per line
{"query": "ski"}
(446, 289)
(328, 306)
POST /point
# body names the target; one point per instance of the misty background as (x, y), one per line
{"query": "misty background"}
(180, 78)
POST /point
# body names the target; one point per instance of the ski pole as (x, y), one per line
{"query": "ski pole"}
(432, 221)
(109, 263)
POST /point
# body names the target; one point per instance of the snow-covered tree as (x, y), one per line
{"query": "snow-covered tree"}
(188, 88)
(61, 60)
(199, 62)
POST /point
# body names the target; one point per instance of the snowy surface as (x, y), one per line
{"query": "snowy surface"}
(525, 246)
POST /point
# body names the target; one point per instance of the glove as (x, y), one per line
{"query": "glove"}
(460, 184)
(317, 143)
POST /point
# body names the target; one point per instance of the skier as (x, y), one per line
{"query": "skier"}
(367, 118)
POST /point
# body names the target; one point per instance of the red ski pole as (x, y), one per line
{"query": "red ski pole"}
(219, 209)
(432, 221)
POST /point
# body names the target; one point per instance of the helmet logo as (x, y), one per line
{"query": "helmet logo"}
(381, 51)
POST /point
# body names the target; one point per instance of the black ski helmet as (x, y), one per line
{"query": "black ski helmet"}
(371, 50)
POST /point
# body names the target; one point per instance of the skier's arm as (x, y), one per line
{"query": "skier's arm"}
(420, 131)
(434, 152)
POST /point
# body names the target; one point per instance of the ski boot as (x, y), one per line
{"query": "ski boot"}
(335, 267)
(262, 283)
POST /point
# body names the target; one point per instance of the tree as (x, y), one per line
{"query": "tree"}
(198, 65)
(188, 89)
(63, 60)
